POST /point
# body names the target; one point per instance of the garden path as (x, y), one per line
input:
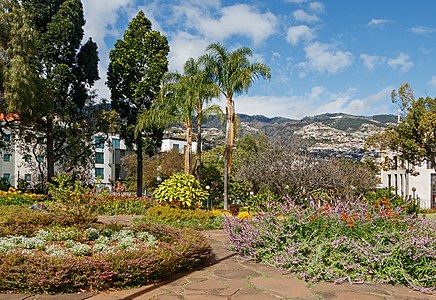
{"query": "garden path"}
(228, 276)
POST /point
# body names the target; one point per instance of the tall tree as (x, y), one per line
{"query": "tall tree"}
(234, 74)
(183, 95)
(50, 83)
(205, 90)
(413, 139)
(137, 65)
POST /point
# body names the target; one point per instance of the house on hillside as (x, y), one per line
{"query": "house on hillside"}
(173, 143)
(421, 187)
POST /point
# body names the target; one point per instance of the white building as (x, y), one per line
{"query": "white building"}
(15, 166)
(421, 187)
(179, 144)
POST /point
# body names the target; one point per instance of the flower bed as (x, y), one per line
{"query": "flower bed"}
(17, 197)
(58, 260)
(353, 242)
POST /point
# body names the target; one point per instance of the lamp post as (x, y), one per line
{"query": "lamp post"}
(208, 204)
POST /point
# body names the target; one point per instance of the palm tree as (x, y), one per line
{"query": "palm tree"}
(234, 74)
(205, 90)
(184, 96)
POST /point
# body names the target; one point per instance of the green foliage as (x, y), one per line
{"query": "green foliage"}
(25, 221)
(78, 200)
(118, 258)
(352, 241)
(17, 197)
(178, 217)
(413, 139)
(182, 191)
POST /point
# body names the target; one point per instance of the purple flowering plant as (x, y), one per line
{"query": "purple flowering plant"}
(358, 241)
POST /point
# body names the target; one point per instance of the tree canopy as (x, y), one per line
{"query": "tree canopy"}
(234, 74)
(413, 139)
(48, 79)
(137, 65)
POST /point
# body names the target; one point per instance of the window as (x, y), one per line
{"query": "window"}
(429, 164)
(27, 177)
(99, 157)
(27, 158)
(115, 143)
(7, 176)
(40, 158)
(6, 137)
(7, 157)
(99, 173)
(176, 146)
(99, 142)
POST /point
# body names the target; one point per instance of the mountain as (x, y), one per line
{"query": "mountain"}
(332, 134)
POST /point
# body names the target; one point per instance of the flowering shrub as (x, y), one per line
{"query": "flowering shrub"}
(16, 197)
(178, 217)
(21, 220)
(74, 197)
(353, 242)
(46, 263)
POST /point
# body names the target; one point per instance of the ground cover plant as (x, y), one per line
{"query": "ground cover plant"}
(17, 197)
(351, 241)
(73, 195)
(197, 218)
(67, 259)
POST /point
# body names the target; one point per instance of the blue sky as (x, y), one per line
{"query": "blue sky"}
(325, 56)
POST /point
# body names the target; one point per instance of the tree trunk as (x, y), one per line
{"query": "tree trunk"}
(139, 161)
(50, 151)
(199, 140)
(188, 150)
(231, 134)
(229, 146)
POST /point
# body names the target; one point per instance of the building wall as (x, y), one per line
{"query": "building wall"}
(178, 144)
(419, 187)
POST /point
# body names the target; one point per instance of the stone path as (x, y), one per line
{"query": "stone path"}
(228, 276)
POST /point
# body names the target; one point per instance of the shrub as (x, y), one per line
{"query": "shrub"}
(111, 204)
(56, 270)
(24, 221)
(352, 242)
(181, 190)
(178, 217)
(16, 197)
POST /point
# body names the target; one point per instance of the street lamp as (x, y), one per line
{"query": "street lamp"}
(208, 204)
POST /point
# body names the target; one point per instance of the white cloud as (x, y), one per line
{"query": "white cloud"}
(371, 61)
(379, 22)
(297, 1)
(432, 82)
(183, 46)
(317, 7)
(401, 63)
(325, 58)
(101, 18)
(422, 30)
(299, 33)
(318, 100)
(302, 16)
(239, 19)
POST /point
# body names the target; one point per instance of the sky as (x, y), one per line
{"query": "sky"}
(325, 56)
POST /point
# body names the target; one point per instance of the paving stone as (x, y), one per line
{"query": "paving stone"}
(78, 296)
(168, 297)
(236, 273)
(284, 287)
(328, 287)
(252, 294)
(206, 285)
(356, 296)
(403, 292)
(204, 297)
(14, 296)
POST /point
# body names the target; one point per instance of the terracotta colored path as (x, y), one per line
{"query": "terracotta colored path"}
(227, 276)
